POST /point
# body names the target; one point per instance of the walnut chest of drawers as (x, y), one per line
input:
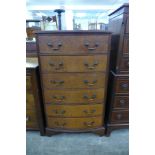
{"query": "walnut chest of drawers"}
(73, 70)
(117, 112)
(34, 113)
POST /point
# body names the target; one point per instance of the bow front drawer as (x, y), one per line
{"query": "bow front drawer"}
(74, 96)
(74, 110)
(87, 44)
(74, 80)
(73, 63)
(74, 123)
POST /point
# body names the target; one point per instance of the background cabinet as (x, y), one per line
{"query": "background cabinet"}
(117, 111)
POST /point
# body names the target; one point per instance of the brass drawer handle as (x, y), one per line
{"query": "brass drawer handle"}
(89, 112)
(59, 99)
(57, 66)
(89, 124)
(54, 47)
(124, 85)
(87, 44)
(91, 66)
(59, 112)
(88, 83)
(60, 124)
(92, 98)
(122, 102)
(57, 82)
(119, 116)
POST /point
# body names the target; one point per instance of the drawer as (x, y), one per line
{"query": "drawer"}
(30, 102)
(124, 64)
(73, 63)
(74, 96)
(73, 80)
(74, 110)
(84, 44)
(126, 44)
(28, 82)
(31, 119)
(121, 102)
(120, 116)
(122, 85)
(75, 123)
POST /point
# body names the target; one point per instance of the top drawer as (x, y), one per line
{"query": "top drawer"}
(71, 44)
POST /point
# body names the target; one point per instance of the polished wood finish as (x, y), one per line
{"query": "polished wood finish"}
(74, 96)
(120, 116)
(74, 110)
(34, 110)
(121, 102)
(74, 123)
(88, 63)
(73, 69)
(76, 80)
(87, 44)
(117, 108)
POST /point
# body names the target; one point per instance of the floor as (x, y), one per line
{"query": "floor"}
(78, 144)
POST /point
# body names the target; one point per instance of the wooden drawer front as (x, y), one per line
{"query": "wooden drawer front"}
(73, 45)
(28, 82)
(76, 80)
(126, 45)
(74, 96)
(73, 63)
(74, 111)
(30, 103)
(121, 102)
(124, 64)
(122, 85)
(75, 123)
(31, 119)
(120, 116)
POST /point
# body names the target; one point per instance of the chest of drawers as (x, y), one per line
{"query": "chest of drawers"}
(34, 113)
(117, 112)
(74, 68)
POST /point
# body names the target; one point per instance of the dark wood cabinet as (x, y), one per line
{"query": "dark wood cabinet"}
(34, 109)
(117, 109)
(74, 68)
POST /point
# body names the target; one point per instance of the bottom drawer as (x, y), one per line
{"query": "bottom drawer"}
(74, 123)
(120, 116)
(31, 119)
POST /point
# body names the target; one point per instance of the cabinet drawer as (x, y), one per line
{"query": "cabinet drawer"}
(74, 123)
(124, 64)
(122, 85)
(120, 116)
(30, 102)
(74, 110)
(126, 45)
(75, 80)
(31, 119)
(74, 96)
(121, 102)
(73, 63)
(68, 44)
